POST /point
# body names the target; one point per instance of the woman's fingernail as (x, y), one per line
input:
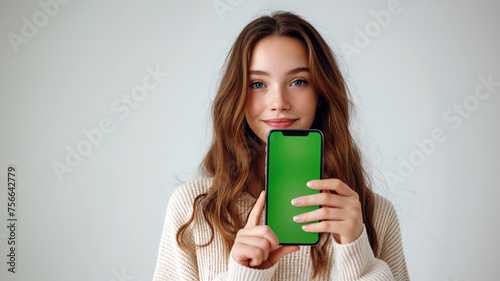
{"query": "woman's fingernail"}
(311, 183)
(305, 227)
(296, 201)
(297, 218)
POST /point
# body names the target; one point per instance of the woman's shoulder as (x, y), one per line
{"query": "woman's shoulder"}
(382, 205)
(184, 196)
(181, 201)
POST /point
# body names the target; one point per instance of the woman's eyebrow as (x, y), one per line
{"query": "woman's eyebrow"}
(291, 72)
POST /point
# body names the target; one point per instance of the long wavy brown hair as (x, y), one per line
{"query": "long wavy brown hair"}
(234, 159)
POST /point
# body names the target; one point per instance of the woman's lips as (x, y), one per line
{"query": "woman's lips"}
(280, 123)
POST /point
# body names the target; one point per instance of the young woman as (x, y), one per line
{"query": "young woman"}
(280, 73)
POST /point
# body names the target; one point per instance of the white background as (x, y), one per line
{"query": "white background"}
(103, 220)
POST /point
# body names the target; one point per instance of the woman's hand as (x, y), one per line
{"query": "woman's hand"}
(340, 214)
(256, 245)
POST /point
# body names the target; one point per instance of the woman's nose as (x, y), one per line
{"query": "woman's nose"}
(278, 100)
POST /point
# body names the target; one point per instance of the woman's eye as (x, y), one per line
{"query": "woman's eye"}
(298, 83)
(257, 85)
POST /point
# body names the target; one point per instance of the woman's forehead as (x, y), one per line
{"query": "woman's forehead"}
(275, 54)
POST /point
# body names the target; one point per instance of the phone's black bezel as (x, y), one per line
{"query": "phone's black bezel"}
(292, 132)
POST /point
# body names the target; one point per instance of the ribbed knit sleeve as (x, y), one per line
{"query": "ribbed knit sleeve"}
(355, 261)
(174, 263)
(238, 272)
(389, 236)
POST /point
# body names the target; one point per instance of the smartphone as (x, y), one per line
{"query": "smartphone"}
(293, 158)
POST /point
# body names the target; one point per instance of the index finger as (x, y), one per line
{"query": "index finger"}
(256, 213)
(333, 185)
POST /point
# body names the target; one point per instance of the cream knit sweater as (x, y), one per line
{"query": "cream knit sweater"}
(354, 261)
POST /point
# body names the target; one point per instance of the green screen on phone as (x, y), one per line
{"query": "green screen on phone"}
(294, 157)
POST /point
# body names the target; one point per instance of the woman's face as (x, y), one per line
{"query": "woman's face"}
(280, 92)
